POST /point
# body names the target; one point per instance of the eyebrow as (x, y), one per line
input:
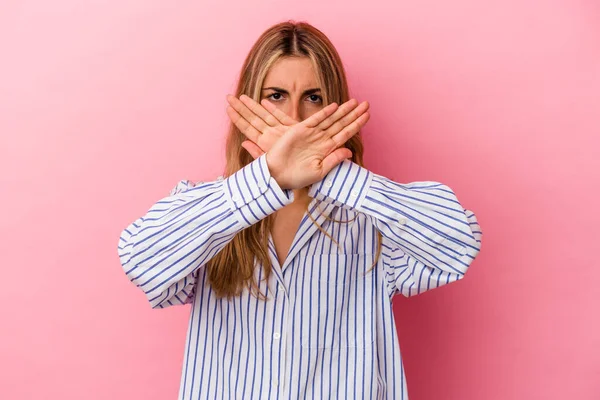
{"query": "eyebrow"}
(306, 92)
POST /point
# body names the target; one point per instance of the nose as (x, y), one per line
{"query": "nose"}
(295, 111)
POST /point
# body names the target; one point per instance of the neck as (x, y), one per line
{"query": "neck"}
(301, 196)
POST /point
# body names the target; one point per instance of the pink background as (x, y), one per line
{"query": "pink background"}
(104, 106)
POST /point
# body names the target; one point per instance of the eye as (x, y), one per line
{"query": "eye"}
(274, 94)
(315, 98)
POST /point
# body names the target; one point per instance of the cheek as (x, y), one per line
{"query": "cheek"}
(311, 109)
(282, 106)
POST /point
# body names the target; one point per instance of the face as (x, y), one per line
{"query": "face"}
(291, 85)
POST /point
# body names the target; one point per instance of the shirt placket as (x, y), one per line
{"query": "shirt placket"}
(280, 337)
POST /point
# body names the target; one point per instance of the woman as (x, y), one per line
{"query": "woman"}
(291, 258)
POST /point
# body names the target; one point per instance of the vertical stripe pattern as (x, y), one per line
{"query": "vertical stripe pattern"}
(327, 328)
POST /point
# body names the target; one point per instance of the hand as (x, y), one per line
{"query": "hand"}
(311, 148)
(263, 127)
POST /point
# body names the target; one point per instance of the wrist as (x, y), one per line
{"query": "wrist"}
(275, 170)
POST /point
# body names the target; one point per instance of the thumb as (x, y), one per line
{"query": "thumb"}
(252, 148)
(335, 158)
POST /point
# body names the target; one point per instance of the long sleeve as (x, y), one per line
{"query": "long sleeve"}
(162, 251)
(429, 239)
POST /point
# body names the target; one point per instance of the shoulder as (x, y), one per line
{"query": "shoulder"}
(186, 184)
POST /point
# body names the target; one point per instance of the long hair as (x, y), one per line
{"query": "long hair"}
(232, 268)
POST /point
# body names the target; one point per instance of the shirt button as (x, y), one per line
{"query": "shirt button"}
(402, 221)
(328, 183)
(354, 193)
(281, 288)
(276, 335)
(235, 198)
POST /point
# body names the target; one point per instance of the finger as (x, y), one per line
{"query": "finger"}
(244, 126)
(245, 112)
(320, 116)
(343, 110)
(252, 148)
(346, 119)
(351, 130)
(259, 110)
(280, 115)
(335, 158)
(267, 111)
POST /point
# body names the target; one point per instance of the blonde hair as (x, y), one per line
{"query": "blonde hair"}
(232, 269)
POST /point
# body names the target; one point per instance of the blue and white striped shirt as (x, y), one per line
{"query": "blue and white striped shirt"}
(327, 328)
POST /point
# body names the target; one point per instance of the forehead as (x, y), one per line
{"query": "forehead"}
(291, 73)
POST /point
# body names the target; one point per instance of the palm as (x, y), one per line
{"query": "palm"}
(305, 149)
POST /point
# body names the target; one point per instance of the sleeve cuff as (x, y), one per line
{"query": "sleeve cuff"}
(254, 193)
(346, 185)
